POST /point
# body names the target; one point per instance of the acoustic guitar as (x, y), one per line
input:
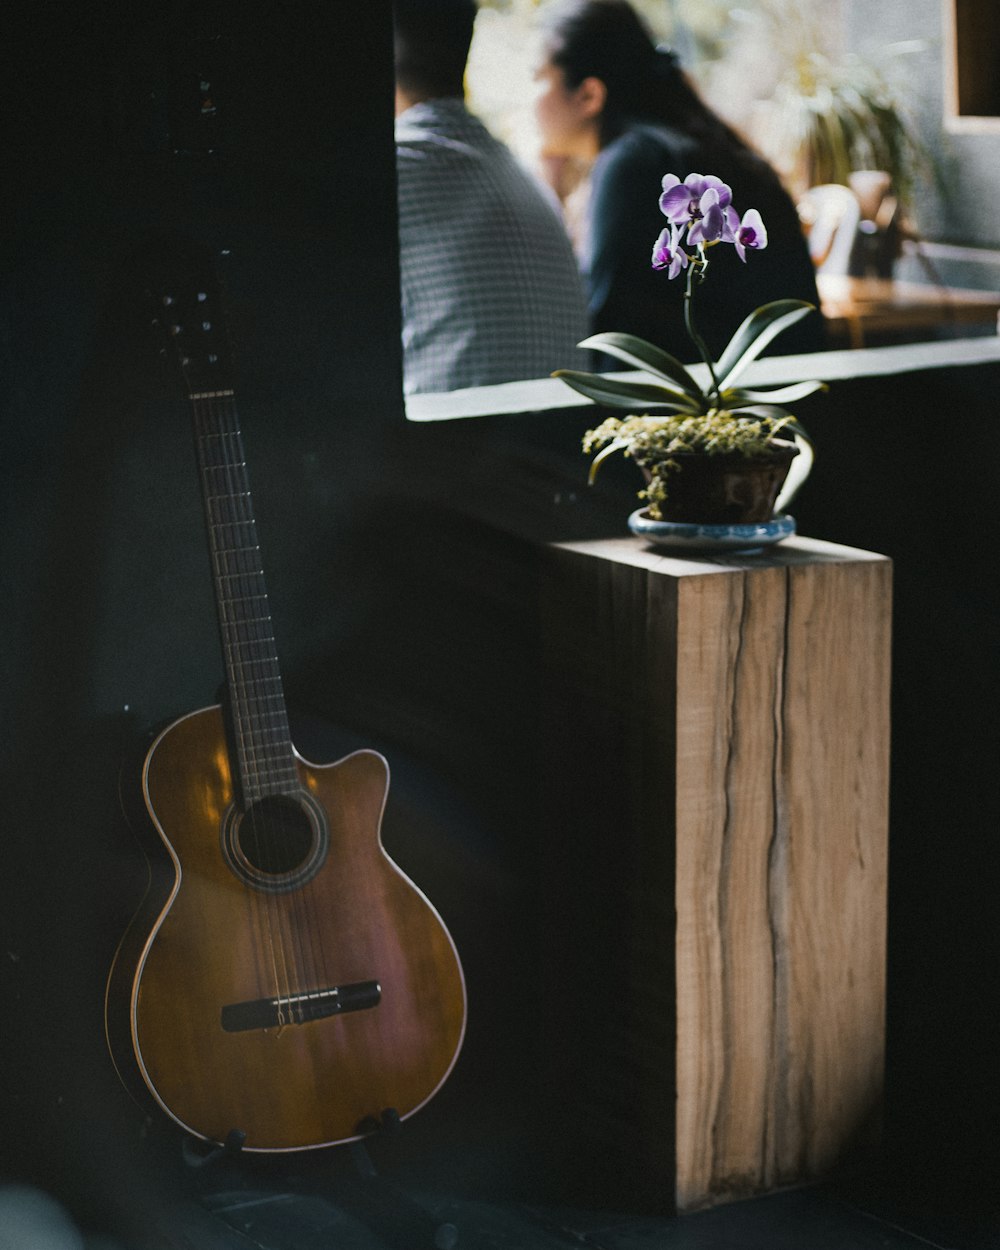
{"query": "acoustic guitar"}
(283, 980)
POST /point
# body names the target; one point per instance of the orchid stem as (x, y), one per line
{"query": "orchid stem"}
(698, 268)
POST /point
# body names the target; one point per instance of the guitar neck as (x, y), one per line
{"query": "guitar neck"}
(263, 756)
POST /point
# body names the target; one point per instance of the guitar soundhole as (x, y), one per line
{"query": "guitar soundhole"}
(275, 835)
(278, 843)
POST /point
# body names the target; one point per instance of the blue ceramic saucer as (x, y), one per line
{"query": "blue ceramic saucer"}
(682, 536)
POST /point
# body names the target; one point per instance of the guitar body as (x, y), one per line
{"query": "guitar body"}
(289, 992)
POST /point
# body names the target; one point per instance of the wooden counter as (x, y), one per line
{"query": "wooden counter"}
(859, 311)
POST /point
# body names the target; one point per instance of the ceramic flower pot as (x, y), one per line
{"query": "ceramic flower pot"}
(729, 489)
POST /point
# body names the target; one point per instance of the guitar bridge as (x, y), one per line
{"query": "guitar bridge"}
(285, 1009)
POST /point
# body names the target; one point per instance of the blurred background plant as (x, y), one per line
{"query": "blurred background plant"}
(831, 113)
(831, 118)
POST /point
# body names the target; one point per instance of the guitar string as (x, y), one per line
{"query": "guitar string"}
(229, 560)
(304, 938)
(255, 763)
(280, 774)
(278, 771)
(215, 493)
(250, 648)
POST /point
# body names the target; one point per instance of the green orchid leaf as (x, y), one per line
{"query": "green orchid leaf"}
(780, 395)
(757, 331)
(643, 355)
(799, 430)
(773, 412)
(615, 445)
(800, 468)
(615, 394)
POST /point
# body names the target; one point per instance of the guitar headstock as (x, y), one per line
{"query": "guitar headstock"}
(188, 317)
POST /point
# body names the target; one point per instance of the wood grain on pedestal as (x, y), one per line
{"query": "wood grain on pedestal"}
(782, 767)
(750, 716)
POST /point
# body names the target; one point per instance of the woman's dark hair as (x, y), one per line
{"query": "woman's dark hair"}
(607, 39)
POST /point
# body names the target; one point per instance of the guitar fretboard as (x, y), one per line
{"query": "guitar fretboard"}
(265, 759)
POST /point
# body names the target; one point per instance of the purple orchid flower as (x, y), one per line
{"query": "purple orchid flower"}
(711, 224)
(748, 233)
(681, 202)
(668, 254)
(702, 204)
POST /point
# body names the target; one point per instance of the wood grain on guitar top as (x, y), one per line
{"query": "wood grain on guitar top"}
(288, 1009)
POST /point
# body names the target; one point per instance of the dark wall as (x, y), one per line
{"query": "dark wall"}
(905, 467)
(285, 163)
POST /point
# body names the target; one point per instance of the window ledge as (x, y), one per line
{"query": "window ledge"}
(548, 394)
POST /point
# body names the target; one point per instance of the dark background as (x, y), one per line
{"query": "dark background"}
(401, 566)
(110, 624)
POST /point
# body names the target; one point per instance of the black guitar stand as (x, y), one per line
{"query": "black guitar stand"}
(200, 1155)
(378, 1203)
(366, 1194)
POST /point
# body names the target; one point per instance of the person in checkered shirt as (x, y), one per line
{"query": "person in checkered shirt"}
(490, 287)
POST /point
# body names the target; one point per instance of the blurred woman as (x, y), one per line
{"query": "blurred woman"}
(607, 95)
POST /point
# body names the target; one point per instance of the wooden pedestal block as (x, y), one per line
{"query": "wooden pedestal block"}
(715, 836)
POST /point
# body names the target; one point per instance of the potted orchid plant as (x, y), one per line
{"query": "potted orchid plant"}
(715, 455)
